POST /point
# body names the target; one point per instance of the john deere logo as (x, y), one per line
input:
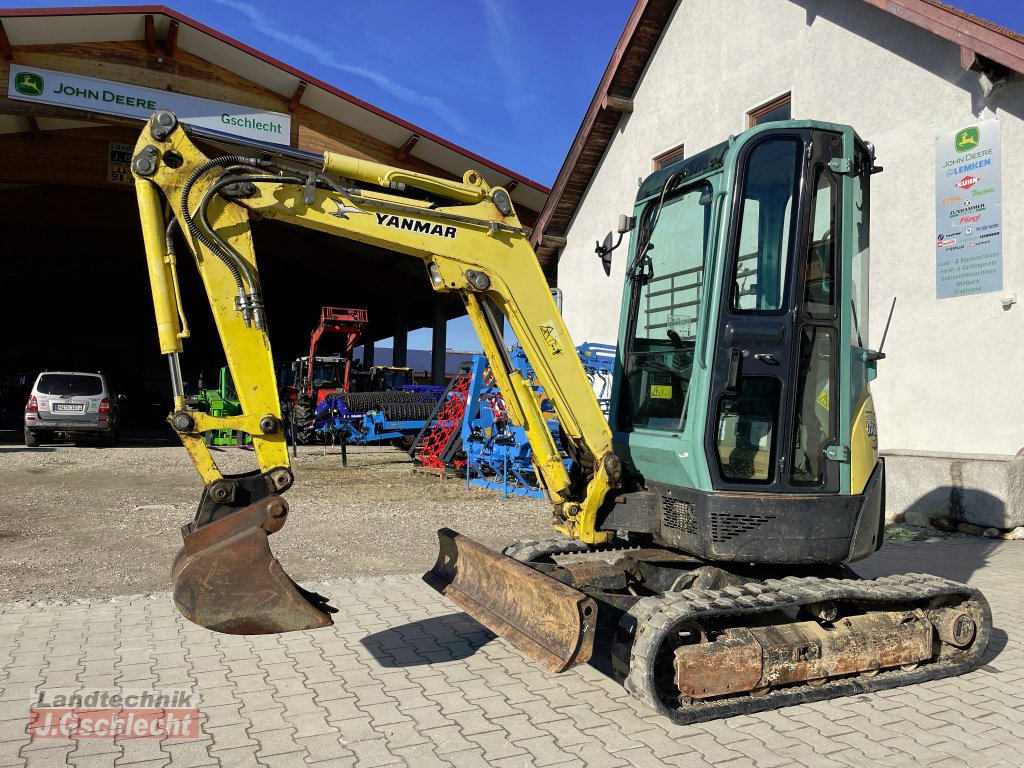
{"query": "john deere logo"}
(967, 139)
(29, 83)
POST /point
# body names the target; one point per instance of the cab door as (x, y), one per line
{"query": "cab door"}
(773, 419)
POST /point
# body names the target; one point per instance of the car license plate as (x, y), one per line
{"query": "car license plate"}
(68, 407)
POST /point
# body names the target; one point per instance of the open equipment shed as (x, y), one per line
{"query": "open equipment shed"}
(72, 266)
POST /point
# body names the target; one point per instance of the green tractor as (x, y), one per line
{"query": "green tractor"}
(222, 401)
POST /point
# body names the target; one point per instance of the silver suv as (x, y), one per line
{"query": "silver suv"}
(71, 404)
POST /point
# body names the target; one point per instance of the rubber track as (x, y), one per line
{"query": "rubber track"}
(658, 616)
(528, 550)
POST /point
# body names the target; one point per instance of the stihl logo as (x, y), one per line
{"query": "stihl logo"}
(967, 182)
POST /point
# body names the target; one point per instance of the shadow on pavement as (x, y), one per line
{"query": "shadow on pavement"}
(956, 558)
(430, 641)
(996, 645)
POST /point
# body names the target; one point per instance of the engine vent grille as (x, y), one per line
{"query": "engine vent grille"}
(725, 526)
(679, 515)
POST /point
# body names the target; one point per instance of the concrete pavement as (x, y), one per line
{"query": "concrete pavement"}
(406, 679)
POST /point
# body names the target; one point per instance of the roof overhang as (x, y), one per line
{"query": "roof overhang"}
(147, 23)
(984, 47)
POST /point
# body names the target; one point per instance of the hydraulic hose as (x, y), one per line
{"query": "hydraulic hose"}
(251, 278)
(231, 261)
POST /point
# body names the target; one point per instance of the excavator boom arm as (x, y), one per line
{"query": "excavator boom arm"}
(471, 243)
(475, 246)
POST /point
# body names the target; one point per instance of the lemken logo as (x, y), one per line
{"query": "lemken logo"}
(29, 83)
(967, 139)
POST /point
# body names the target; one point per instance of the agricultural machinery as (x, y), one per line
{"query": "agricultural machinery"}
(472, 432)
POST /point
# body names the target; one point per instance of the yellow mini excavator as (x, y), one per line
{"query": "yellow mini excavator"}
(703, 532)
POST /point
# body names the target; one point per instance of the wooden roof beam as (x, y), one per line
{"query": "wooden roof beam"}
(615, 103)
(150, 35)
(5, 44)
(293, 102)
(403, 151)
(553, 241)
(171, 44)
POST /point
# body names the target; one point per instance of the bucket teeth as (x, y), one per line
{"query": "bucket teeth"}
(226, 578)
(548, 621)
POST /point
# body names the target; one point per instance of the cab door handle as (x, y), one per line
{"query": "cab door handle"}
(733, 379)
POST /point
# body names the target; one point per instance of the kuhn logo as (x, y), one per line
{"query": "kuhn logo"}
(29, 83)
(970, 219)
(944, 243)
(967, 182)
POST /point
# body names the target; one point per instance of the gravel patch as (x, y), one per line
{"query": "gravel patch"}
(80, 521)
(84, 522)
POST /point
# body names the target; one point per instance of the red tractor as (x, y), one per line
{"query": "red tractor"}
(317, 376)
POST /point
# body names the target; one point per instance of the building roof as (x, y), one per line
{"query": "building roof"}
(48, 26)
(983, 46)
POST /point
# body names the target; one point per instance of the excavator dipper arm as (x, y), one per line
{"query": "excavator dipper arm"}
(471, 243)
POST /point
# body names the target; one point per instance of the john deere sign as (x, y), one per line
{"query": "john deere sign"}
(968, 212)
(112, 98)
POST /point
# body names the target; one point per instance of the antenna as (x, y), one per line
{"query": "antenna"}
(880, 355)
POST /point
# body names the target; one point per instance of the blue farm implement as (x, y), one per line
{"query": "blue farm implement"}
(358, 418)
(474, 435)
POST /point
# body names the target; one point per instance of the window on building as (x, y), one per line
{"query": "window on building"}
(667, 158)
(776, 109)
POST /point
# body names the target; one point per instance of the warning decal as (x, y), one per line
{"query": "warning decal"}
(822, 398)
(551, 340)
(661, 391)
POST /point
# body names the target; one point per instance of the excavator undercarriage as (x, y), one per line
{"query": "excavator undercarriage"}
(696, 641)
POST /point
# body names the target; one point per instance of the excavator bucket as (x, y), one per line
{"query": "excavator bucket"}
(226, 579)
(548, 621)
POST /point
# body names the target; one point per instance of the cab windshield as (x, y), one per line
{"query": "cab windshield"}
(667, 275)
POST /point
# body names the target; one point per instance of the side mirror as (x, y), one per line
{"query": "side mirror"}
(605, 252)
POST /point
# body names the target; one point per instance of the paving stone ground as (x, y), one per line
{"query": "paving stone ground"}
(404, 678)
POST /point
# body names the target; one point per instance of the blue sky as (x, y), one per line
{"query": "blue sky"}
(509, 80)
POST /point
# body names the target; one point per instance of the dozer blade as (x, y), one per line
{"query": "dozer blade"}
(226, 579)
(545, 619)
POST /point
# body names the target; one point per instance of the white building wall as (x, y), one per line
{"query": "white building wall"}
(951, 380)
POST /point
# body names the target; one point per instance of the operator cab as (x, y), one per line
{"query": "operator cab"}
(743, 398)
